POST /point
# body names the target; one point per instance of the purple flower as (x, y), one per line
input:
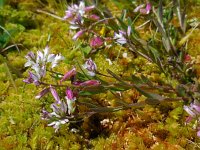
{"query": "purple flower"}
(96, 42)
(193, 110)
(30, 59)
(55, 94)
(90, 66)
(42, 93)
(143, 10)
(45, 115)
(70, 101)
(198, 133)
(94, 17)
(120, 37)
(39, 63)
(69, 94)
(69, 74)
(74, 10)
(32, 79)
(78, 34)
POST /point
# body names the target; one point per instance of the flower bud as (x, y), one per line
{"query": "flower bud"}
(94, 17)
(32, 79)
(89, 8)
(78, 34)
(55, 94)
(42, 93)
(69, 74)
(70, 101)
(69, 94)
(90, 66)
(96, 42)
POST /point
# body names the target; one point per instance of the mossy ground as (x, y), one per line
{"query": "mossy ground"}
(160, 127)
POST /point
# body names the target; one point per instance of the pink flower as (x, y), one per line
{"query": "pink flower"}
(90, 66)
(88, 83)
(69, 94)
(143, 10)
(94, 17)
(78, 34)
(193, 110)
(75, 10)
(69, 74)
(70, 101)
(96, 42)
(55, 94)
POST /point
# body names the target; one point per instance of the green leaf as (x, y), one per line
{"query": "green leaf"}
(123, 25)
(86, 50)
(136, 79)
(152, 101)
(2, 2)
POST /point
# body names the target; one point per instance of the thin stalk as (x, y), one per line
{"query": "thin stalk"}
(10, 76)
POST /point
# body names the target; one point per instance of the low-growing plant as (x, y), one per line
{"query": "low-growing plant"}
(163, 44)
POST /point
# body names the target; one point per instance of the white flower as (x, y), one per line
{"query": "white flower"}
(90, 66)
(124, 55)
(119, 37)
(30, 59)
(56, 60)
(56, 124)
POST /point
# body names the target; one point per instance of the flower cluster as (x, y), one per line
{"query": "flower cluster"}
(194, 111)
(75, 14)
(143, 10)
(39, 64)
(62, 109)
(74, 83)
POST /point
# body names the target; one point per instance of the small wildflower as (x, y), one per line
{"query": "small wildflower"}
(70, 101)
(90, 66)
(96, 42)
(69, 74)
(75, 11)
(198, 133)
(120, 37)
(56, 60)
(94, 17)
(30, 59)
(78, 34)
(45, 115)
(143, 10)
(55, 94)
(56, 124)
(194, 109)
(42, 93)
(124, 55)
(39, 62)
(32, 79)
